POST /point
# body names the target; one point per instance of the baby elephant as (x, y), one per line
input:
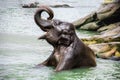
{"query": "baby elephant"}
(69, 51)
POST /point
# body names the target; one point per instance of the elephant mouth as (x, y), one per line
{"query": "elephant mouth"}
(43, 36)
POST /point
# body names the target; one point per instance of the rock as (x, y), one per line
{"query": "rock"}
(30, 5)
(106, 50)
(110, 35)
(106, 45)
(89, 18)
(106, 28)
(107, 10)
(90, 26)
(36, 4)
(106, 20)
(107, 14)
(61, 5)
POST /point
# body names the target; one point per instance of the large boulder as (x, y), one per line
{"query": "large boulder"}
(105, 20)
(107, 44)
(30, 5)
(89, 18)
(107, 50)
(110, 35)
(107, 14)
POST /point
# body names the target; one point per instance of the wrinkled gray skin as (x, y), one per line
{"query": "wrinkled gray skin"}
(69, 51)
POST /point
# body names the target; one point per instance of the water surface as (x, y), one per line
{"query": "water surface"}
(20, 50)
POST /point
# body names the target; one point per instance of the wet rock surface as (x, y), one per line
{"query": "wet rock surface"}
(37, 4)
(31, 5)
(106, 21)
(107, 14)
(61, 6)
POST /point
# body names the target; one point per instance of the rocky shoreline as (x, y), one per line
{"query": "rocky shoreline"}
(106, 21)
(37, 4)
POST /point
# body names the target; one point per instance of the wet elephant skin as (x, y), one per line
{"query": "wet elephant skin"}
(69, 51)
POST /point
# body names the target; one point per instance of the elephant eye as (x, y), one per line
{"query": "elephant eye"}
(57, 22)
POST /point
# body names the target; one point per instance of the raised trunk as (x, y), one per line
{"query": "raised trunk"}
(42, 23)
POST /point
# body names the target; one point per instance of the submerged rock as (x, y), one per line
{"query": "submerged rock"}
(37, 4)
(61, 5)
(30, 5)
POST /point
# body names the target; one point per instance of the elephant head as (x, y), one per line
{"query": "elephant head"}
(57, 32)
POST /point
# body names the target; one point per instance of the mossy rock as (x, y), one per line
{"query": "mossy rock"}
(90, 26)
(100, 48)
(106, 50)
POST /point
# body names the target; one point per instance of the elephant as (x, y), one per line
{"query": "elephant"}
(69, 51)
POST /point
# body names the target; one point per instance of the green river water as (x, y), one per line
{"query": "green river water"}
(20, 50)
